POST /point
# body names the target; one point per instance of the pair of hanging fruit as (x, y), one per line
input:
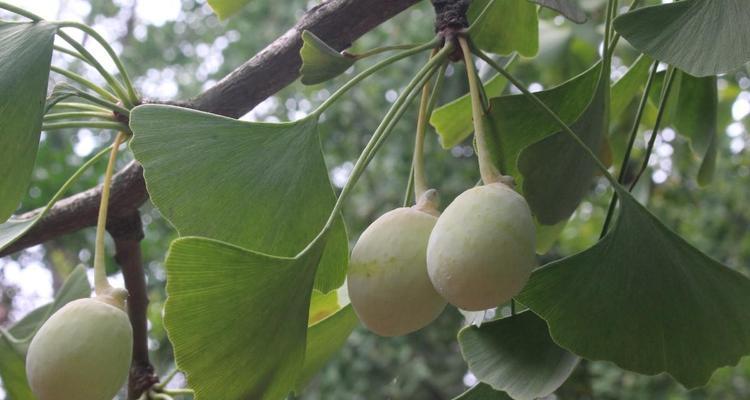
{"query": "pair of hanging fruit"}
(477, 255)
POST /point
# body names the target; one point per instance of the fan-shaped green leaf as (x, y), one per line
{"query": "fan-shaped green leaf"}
(260, 186)
(567, 8)
(25, 55)
(507, 26)
(237, 318)
(320, 62)
(646, 300)
(701, 37)
(516, 355)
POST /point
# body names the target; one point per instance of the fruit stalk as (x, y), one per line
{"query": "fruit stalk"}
(487, 169)
(101, 284)
(420, 180)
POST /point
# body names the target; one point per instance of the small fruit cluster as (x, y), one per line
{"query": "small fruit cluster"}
(477, 255)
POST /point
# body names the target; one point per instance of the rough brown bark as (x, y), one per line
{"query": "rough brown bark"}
(127, 233)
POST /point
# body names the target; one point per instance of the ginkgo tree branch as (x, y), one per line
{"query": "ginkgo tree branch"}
(337, 22)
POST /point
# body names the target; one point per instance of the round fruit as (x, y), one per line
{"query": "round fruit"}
(387, 279)
(481, 251)
(82, 352)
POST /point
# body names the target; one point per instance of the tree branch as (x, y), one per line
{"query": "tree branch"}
(337, 22)
(81, 210)
(127, 232)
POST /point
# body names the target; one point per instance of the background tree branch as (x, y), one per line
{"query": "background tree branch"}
(337, 22)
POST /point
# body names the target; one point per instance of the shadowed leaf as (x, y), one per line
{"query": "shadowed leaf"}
(567, 8)
(667, 306)
(701, 37)
(507, 26)
(516, 355)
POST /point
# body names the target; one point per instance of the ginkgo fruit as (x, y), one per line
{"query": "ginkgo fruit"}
(387, 279)
(82, 352)
(482, 250)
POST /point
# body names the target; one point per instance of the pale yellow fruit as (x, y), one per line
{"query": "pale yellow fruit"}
(82, 352)
(387, 279)
(481, 251)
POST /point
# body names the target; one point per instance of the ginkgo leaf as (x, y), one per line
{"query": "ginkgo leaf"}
(556, 172)
(260, 186)
(645, 299)
(505, 27)
(701, 37)
(567, 8)
(238, 318)
(320, 62)
(25, 56)
(516, 355)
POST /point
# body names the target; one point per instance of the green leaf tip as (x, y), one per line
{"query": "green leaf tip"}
(320, 62)
(226, 8)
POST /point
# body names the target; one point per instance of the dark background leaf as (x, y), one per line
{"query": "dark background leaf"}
(515, 354)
